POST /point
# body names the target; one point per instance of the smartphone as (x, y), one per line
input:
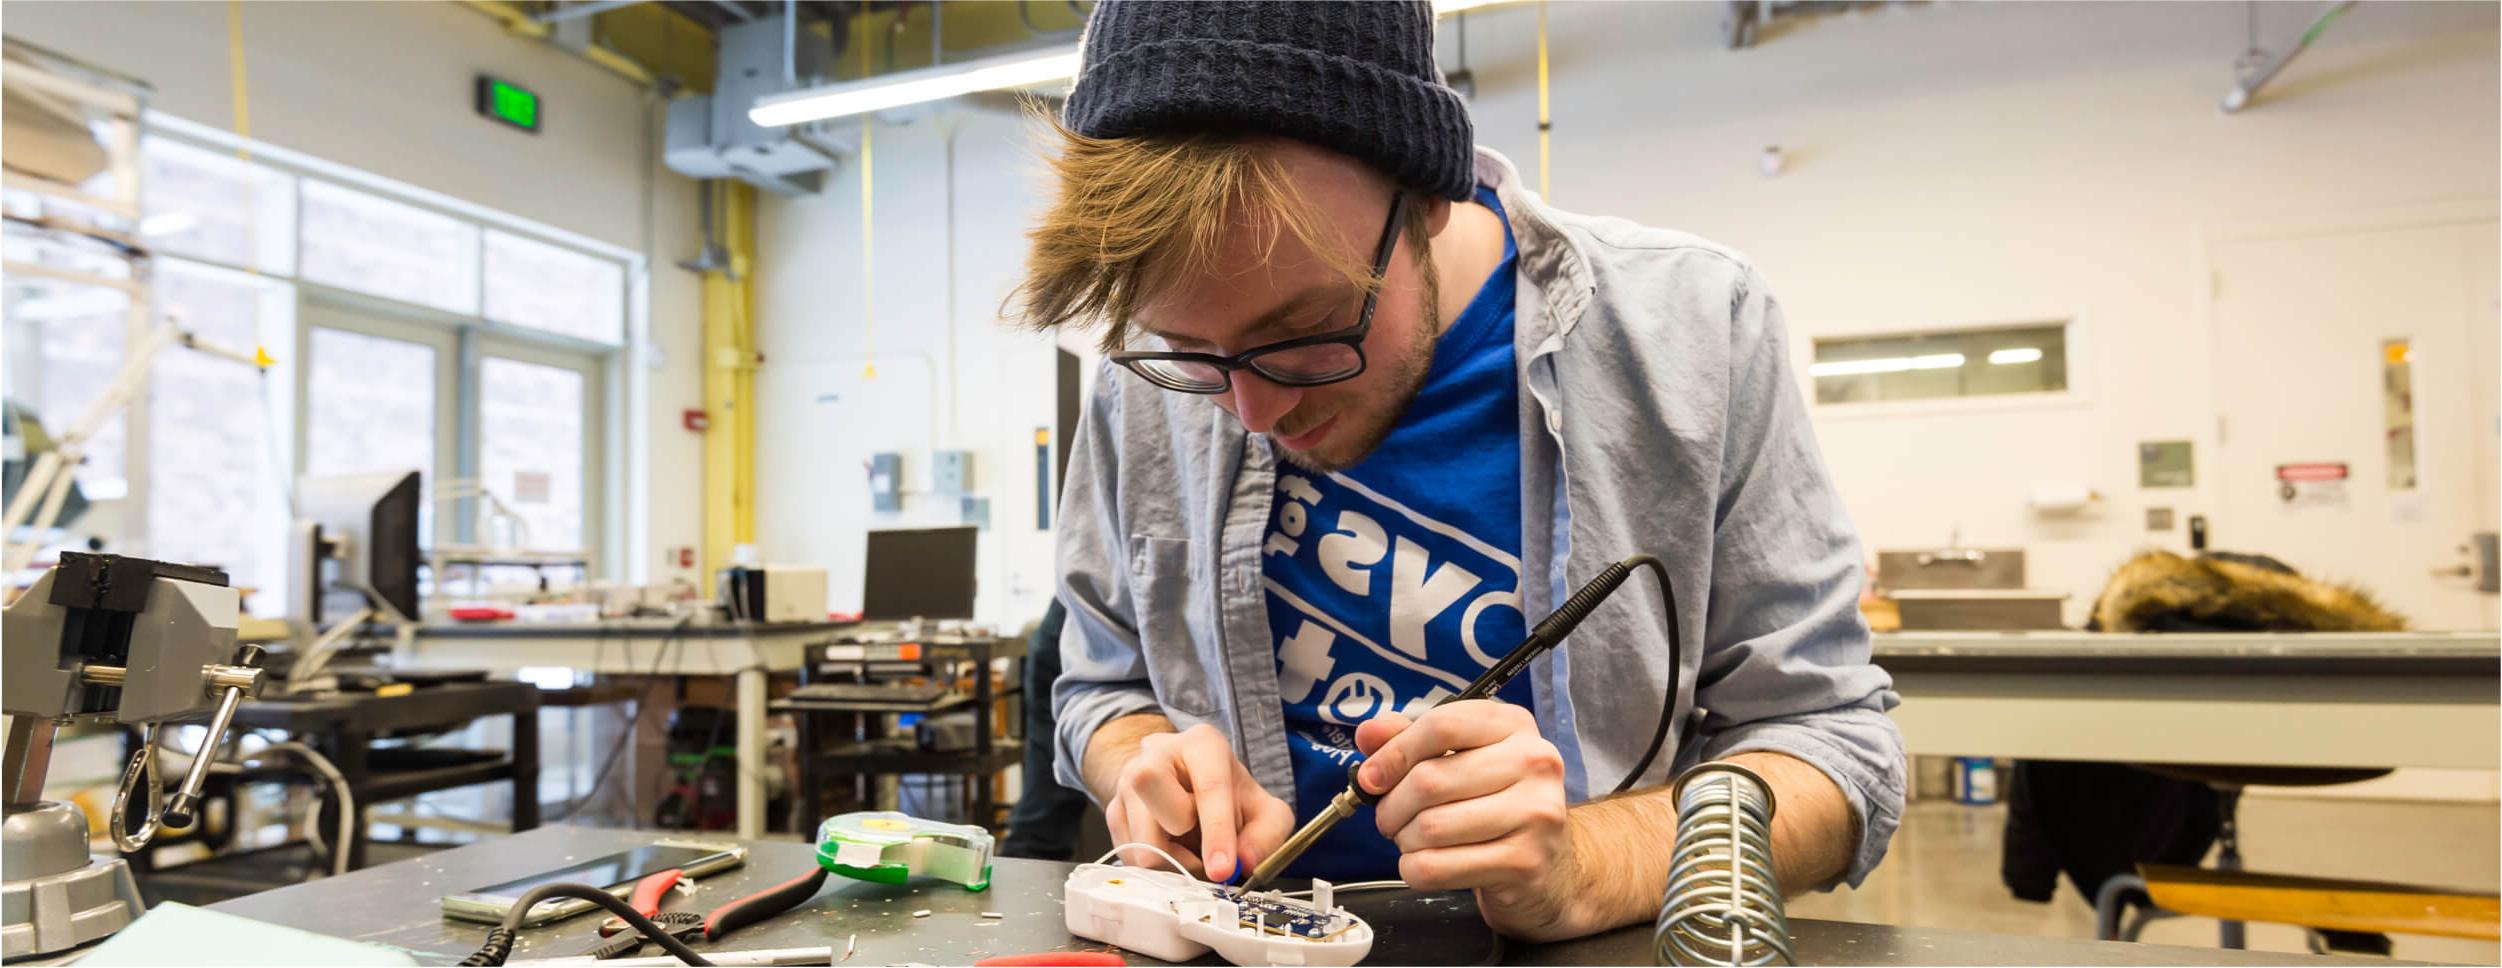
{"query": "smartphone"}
(615, 873)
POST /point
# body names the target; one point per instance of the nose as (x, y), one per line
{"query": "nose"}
(1258, 403)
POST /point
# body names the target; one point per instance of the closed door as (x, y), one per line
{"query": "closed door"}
(2356, 385)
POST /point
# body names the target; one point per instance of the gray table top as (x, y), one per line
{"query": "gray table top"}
(394, 904)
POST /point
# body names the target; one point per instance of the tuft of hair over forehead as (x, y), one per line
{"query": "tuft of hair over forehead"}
(1129, 216)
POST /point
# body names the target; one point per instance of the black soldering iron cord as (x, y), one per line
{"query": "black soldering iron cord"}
(499, 943)
(1550, 633)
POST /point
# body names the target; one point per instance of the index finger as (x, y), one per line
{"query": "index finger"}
(1443, 729)
(1211, 767)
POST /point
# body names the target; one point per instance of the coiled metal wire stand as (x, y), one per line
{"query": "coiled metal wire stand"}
(1723, 905)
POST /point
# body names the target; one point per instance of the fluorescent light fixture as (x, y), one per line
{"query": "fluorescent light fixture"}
(2020, 354)
(1886, 364)
(915, 87)
(1445, 8)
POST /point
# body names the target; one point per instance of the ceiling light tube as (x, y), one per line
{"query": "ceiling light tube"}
(914, 87)
(1886, 364)
(2019, 354)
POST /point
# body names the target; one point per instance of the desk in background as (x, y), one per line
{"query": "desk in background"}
(747, 652)
(394, 904)
(2417, 699)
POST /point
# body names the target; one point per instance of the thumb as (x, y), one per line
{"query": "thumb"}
(1372, 733)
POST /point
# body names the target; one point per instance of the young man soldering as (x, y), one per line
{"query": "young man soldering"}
(1377, 410)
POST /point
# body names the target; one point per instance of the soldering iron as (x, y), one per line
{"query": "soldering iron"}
(1547, 635)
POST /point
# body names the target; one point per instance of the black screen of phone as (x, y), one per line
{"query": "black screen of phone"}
(615, 869)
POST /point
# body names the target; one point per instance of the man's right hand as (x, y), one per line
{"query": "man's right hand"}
(1185, 793)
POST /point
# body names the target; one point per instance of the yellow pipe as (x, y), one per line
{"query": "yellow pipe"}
(730, 382)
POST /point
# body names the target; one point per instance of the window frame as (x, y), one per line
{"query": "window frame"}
(2075, 333)
(460, 340)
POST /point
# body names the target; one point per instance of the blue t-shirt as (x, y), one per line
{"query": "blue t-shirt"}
(1394, 583)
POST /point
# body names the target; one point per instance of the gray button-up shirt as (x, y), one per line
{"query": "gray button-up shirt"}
(1658, 414)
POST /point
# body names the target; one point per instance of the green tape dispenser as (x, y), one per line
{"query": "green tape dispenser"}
(889, 848)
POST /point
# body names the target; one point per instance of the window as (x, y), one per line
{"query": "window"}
(215, 463)
(66, 345)
(216, 207)
(369, 407)
(358, 241)
(1954, 363)
(532, 446)
(371, 296)
(552, 288)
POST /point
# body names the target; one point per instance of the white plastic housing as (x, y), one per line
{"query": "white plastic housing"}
(1171, 917)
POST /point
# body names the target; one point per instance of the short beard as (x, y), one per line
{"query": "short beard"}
(1410, 367)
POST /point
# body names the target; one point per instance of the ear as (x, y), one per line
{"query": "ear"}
(1437, 215)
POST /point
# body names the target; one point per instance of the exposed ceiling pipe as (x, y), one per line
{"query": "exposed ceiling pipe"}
(2256, 77)
(522, 24)
(573, 10)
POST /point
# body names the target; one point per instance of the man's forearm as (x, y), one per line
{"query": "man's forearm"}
(1812, 835)
(1112, 746)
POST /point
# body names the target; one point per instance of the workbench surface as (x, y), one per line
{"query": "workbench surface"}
(394, 904)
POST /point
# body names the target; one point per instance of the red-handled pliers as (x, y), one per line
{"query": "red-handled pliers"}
(646, 899)
(686, 927)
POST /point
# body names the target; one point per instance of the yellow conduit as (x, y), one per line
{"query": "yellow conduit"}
(730, 381)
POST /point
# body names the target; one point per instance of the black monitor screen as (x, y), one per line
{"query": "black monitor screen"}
(919, 574)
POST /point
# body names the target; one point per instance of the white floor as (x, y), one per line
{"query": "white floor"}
(1942, 871)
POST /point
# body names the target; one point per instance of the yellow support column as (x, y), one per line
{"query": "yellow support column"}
(730, 381)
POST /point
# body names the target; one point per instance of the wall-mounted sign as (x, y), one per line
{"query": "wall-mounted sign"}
(2313, 483)
(2165, 463)
(508, 102)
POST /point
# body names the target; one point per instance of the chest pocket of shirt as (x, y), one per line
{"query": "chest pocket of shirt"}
(1177, 625)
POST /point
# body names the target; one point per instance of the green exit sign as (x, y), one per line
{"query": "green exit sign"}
(509, 103)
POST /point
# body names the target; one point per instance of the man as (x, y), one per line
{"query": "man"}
(1375, 406)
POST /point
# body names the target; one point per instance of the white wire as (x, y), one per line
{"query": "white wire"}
(1159, 851)
(347, 799)
(1356, 886)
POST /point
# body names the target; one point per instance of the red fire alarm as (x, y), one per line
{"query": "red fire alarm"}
(697, 420)
(686, 557)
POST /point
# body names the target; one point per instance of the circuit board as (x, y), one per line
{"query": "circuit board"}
(1271, 914)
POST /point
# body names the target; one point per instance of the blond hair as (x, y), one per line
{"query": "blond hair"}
(1131, 215)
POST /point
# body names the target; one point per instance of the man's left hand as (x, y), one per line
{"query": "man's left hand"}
(1474, 798)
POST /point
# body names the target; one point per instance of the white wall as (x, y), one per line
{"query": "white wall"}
(1971, 163)
(965, 381)
(386, 87)
(1950, 164)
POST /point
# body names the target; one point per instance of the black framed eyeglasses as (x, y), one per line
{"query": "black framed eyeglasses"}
(1305, 361)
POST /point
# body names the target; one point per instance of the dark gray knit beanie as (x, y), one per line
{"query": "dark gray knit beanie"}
(1353, 76)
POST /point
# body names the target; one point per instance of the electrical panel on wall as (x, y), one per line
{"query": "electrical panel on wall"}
(886, 482)
(951, 472)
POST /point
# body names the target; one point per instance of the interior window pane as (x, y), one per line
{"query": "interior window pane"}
(65, 345)
(1948, 363)
(211, 205)
(542, 286)
(353, 240)
(370, 408)
(214, 495)
(531, 447)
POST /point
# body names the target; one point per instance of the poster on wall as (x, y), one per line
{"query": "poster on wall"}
(2314, 484)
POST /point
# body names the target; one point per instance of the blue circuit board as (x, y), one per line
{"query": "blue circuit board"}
(1271, 914)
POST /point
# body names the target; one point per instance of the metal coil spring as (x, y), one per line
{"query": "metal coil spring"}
(1723, 905)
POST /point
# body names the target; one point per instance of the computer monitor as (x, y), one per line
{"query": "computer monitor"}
(356, 536)
(925, 573)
